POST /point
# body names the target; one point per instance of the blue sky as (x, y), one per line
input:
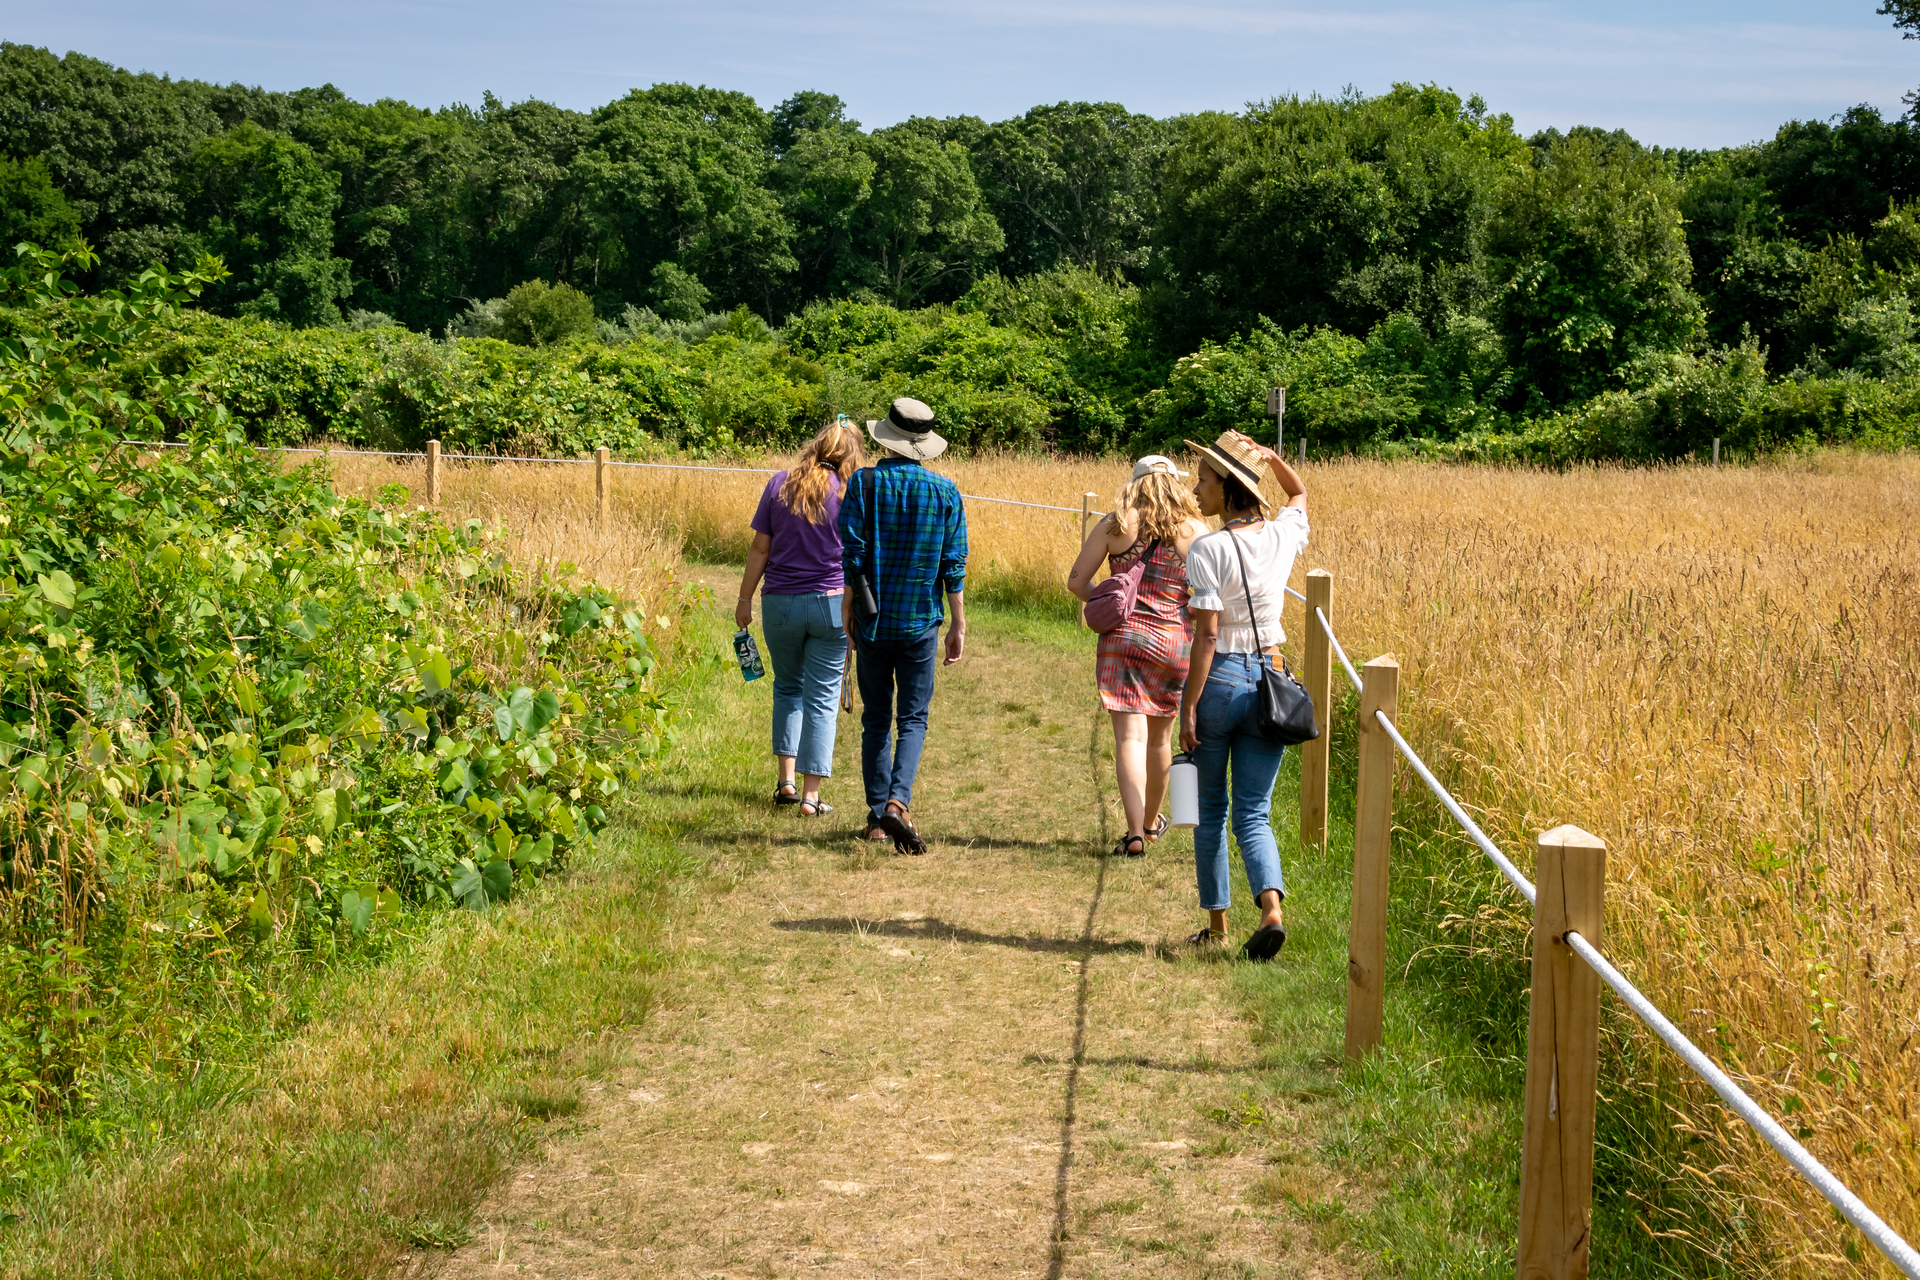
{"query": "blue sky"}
(1706, 73)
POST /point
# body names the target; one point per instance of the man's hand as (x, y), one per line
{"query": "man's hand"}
(956, 642)
(743, 612)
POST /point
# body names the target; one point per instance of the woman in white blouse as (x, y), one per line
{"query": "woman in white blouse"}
(1238, 577)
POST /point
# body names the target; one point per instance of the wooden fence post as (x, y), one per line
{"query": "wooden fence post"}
(1372, 839)
(1086, 512)
(1318, 674)
(1716, 451)
(601, 491)
(433, 473)
(1563, 1059)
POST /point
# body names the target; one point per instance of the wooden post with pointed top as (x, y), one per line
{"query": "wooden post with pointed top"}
(1372, 841)
(433, 473)
(1563, 1059)
(1317, 672)
(602, 491)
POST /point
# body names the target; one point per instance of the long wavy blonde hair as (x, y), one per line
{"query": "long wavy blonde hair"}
(1163, 503)
(836, 451)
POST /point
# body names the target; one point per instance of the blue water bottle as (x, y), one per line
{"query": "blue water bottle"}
(749, 655)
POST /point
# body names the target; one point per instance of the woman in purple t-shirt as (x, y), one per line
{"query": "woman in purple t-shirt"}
(796, 544)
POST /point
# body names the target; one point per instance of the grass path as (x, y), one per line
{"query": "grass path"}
(993, 1060)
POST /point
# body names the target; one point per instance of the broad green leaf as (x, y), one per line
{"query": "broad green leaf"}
(326, 810)
(469, 888)
(498, 876)
(356, 909)
(436, 673)
(58, 589)
(503, 723)
(546, 709)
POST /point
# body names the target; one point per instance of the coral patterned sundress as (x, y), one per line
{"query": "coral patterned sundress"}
(1142, 665)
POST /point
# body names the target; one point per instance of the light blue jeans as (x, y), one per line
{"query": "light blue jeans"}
(1230, 743)
(808, 648)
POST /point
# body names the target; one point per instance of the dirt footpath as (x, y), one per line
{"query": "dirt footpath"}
(994, 1060)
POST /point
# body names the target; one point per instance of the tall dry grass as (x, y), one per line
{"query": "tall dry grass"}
(1713, 669)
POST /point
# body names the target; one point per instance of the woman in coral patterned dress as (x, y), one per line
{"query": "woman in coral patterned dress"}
(1142, 665)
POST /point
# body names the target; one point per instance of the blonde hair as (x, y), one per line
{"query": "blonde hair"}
(1165, 506)
(836, 450)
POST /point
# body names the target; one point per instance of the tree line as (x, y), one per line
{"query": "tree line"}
(1466, 278)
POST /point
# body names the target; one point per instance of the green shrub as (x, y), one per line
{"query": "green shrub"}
(246, 724)
(537, 314)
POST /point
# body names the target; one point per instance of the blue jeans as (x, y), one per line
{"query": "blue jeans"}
(1224, 722)
(808, 649)
(887, 665)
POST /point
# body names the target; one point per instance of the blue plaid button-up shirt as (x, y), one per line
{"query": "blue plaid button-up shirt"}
(919, 551)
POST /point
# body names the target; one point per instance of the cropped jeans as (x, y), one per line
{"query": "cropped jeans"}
(1230, 744)
(808, 648)
(896, 688)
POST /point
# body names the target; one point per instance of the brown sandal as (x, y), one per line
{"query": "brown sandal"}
(898, 823)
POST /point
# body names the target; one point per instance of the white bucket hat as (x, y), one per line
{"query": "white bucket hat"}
(908, 431)
(1157, 462)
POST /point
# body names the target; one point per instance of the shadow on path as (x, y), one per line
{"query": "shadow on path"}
(933, 929)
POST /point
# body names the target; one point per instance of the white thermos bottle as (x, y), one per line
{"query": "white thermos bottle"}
(1183, 790)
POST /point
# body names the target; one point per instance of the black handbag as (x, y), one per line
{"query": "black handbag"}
(1283, 709)
(863, 598)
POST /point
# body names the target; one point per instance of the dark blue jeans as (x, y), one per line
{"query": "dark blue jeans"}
(885, 667)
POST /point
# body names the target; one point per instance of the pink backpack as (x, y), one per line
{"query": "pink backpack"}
(1111, 603)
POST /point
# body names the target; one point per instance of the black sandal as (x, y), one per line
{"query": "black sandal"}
(898, 823)
(1207, 940)
(1265, 942)
(1158, 829)
(786, 793)
(1122, 851)
(815, 808)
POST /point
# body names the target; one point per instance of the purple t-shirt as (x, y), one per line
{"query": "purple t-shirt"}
(805, 558)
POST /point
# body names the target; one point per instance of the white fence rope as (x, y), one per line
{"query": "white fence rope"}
(581, 462)
(1850, 1206)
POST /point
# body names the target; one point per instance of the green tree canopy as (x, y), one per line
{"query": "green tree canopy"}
(31, 209)
(260, 202)
(926, 231)
(675, 173)
(1592, 263)
(1325, 211)
(1076, 182)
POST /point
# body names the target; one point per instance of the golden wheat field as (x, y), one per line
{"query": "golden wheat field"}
(1715, 670)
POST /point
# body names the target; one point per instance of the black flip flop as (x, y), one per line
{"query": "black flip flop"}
(1265, 942)
(905, 839)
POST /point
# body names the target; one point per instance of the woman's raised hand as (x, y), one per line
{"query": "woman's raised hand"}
(1266, 454)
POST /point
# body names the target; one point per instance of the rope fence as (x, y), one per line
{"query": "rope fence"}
(433, 453)
(1563, 1025)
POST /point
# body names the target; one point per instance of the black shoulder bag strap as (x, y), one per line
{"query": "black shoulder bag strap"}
(864, 598)
(1283, 709)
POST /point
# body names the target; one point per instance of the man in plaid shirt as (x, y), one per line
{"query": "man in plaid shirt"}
(903, 531)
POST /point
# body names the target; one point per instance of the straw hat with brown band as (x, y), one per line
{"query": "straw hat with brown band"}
(1232, 456)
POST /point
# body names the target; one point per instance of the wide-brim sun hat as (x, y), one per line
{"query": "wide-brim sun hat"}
(1229, 456)
(908, 431)
(1157, 462)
